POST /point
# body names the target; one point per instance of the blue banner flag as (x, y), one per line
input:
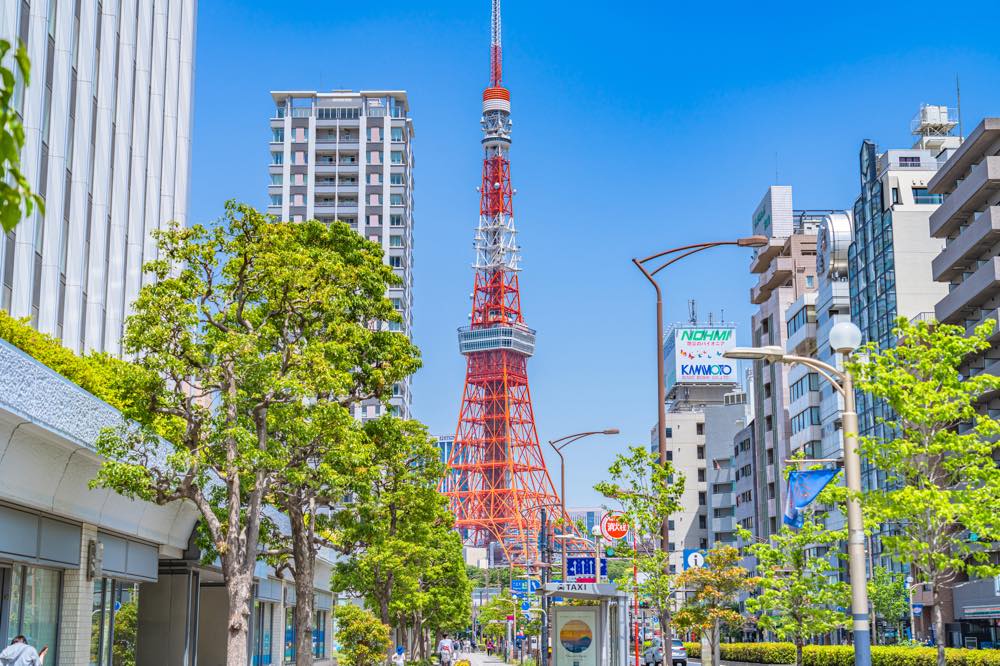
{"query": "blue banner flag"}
(803, 487)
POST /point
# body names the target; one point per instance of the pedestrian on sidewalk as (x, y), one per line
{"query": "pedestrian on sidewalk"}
(19, 653)
(399, 658)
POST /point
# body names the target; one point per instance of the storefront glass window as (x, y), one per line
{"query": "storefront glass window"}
(319, 634)
(34, 608)
(114, 623)
(263, 618)
(290, 634)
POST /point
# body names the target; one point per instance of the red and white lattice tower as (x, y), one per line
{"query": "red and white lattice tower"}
(499, 481)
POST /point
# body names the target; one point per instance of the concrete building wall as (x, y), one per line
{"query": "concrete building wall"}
(107, 144)
(722, 424)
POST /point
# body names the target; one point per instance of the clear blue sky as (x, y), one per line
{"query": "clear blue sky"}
(637, 127)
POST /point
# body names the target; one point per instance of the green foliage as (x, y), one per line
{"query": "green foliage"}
(126, 632)
(941, 480)
(493, 614)
(712, 593)
(17, 201)
(798, 597)
(888, 594)
(403, 557)
(647, 491)
(843, 655)
(364, 640)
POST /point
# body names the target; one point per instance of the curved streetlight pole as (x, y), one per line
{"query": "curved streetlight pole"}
(845, 338)
(675, 255)
(559, 444)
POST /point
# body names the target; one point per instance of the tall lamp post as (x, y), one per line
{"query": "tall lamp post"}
(558, 445)
(668, 257)
(845, 338)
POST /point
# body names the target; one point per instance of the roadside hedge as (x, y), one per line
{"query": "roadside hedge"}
(843, 655)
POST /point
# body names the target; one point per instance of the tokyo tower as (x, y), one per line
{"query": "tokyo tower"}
(498, 482)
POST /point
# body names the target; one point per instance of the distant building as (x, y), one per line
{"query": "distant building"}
(722, 424)
(348, 156)
(787, 270)
(968, 222)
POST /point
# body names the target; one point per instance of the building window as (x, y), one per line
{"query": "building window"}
(807, 417)
(319, 634)
(895, 195)
(374, 157)
(397, 134)
(395, 199)
(114, 615)
(396, 326)
(290, 634)
(909, 161)
(768, 423)
(701, 452)
(702, 498)
(395, 241)
(703, 544)
(702, 522)
(275, 199)
(701, 474)
(699, 429)
(263, 620)
(397, 157)
(277, 158)
(395, 179)
(396, 261)
(395, 220)
(670, 433)
(806, 315)
(805, 385)
(33, 595)
(277, 179)
(810, 282)
(397, 303)
(670, 525)
(922, 196)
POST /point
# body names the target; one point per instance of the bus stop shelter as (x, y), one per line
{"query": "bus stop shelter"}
(595, 634)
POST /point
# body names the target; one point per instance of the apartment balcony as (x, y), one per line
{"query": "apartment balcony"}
(972, 194)
(975, 239)
(977, 289)
(781, 271)
(763, 256)
(725, 524)
(803, 340)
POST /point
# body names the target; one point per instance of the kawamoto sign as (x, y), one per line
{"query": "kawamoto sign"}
(698, 355)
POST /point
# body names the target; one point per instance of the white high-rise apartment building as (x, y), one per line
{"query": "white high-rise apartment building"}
(107, 121)
(347, 156)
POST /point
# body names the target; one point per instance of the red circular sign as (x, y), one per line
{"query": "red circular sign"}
(614, 526)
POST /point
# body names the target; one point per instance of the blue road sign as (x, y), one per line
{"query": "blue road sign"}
(525, 605)
(694, 559)
(918, 610)
(525, 585)
(584, 566)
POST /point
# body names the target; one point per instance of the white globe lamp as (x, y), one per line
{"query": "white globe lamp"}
(845, 337)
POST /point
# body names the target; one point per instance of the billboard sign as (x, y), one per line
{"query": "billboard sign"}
(695, 355)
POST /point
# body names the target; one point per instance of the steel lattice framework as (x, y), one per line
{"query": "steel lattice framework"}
(499, 481)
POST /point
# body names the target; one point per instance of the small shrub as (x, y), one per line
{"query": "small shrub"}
(759, 653)
(363, 638)
(693, 650)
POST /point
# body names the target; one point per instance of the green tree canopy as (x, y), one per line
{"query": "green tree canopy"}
(250, 334)
(364, 641)
(647, 491)
(799, 595)
(942, 482)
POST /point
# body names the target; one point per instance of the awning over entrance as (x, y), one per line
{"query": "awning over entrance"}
(592, 591)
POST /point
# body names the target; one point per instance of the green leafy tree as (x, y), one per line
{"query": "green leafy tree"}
(888, 594)
(712, 594)
(799, 596)
(493, 614)
(942, 483)
(647, 491)
(364, 640)
(401, 554)
(244, 327)
(17, 201)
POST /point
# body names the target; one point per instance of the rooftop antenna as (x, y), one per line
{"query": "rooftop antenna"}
(692, 312)
(710, 322)
(958, 103)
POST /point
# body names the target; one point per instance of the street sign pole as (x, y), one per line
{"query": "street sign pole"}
(546, 562)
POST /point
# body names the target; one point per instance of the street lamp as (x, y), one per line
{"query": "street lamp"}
(661, 392)
(913, 618)
(845, 338)
(559, 444)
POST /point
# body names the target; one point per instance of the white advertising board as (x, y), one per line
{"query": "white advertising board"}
(698, 355)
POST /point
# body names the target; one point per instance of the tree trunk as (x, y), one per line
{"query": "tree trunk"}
(939, 637)
(798, 650)
(304, 557)
(239, 587)
(716, 645)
